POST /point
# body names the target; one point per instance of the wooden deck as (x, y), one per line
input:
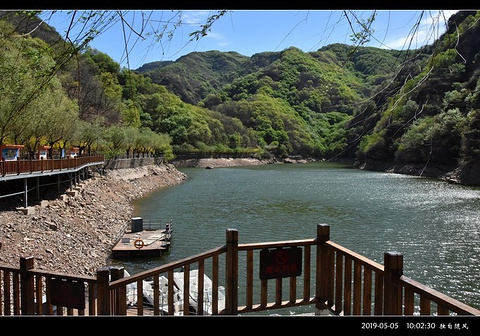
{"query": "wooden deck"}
(145, 243)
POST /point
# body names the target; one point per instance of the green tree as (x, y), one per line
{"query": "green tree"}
(26, 67)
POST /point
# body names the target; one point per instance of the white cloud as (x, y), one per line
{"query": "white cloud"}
(430, 28)
(194, 17)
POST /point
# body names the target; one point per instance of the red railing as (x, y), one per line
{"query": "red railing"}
(18, 167)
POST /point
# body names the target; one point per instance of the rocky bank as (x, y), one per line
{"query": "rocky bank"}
(221, 162)
(75, 233)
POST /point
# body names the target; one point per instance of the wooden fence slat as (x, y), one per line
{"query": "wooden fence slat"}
(357, 288)
(278, 291)
(347, 292)
(2, 289)
(306, 273)
(38, 294)
(171, 306)
(367, 291)
(409, 302)
(330, 265)
(339, 283)
(249, 282)
(215, 284)
(156, 295)
(16, 293)
(59, 311)
(6, 292)
(231, 272)
(378, 309)
(425, 305)
(293, 289)
(442, 310)
(140, 297)
(91, 300)
(48, 304)
(186, 290)
(121, 300)
(322, 278)
(263, 292)
(200, 287)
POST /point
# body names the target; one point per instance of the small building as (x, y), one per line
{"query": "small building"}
(74, 152)
(43, 152)
(10, 152)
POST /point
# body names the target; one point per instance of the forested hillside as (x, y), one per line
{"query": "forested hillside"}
(296, 103)
(411, 111)
(414, 111)
(431, 125)
(61, 95)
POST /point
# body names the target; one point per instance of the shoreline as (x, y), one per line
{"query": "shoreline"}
(75, 234)
(236, 162)
(219, 162)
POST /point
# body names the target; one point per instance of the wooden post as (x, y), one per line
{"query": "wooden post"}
(231, 273)
(323, 290)
(103, 291)
(393, 262)
(117, 272)
(27, 289)
(120, 307)
(25, 191)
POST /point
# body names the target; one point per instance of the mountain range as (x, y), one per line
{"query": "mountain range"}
(411, 111)
(407, 111)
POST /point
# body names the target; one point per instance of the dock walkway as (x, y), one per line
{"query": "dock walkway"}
(22, 169)
(41, 172)
(140, 242)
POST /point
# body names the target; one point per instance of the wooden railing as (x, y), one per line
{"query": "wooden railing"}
(351, 284)
(18, 167)
(322, 275)
(26, 291)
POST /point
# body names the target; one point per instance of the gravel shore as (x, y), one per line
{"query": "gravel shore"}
(74, 234)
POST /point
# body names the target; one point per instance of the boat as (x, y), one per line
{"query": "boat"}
(178, 295)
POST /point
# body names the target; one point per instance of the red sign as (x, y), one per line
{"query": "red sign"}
(280, 263)
(67, 293)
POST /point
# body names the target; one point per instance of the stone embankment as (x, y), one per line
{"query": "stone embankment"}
(236, 162)
(74, 234)
(220, 162)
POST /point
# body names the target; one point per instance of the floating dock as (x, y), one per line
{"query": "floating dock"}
(143, 243)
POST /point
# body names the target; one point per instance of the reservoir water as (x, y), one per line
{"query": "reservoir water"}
(434, 224)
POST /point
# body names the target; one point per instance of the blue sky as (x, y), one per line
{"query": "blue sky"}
(252, 31)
